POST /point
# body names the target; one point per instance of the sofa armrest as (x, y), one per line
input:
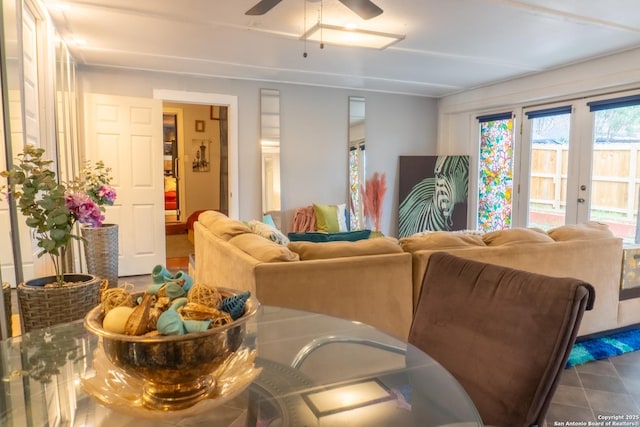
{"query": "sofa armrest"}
(219, 263)
(373, 289)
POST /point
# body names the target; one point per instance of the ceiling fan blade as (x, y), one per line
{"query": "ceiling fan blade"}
(365, 8)
(262, 7)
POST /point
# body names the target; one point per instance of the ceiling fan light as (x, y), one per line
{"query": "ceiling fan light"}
(338, 35)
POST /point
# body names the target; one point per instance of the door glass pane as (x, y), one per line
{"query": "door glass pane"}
(495, 181)
(549, 162)
(615, 171)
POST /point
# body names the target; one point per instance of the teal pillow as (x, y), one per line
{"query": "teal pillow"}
(308, 237)
(350, 236)
(268, 219)
(347, 236)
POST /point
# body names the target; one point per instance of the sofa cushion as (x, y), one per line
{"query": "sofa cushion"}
(587, 231)
(516, 236)
(348, 236)
(221, 225)
(326, 218)
(268, 232)
(326, 250)
(440, 240)
(262, 249)
(343, 218)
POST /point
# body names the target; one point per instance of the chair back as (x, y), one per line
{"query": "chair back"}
(504, 334)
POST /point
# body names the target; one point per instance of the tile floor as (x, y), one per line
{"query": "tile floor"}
(605, 387)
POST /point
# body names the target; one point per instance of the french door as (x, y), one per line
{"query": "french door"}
(580, 161)
(545, 166)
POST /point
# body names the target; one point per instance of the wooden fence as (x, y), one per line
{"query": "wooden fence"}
(615, 183)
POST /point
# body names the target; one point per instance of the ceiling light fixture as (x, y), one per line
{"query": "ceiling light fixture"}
(339, 35)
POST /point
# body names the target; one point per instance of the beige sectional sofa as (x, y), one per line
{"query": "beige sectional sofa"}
(377, 281)
(368, 281)
(588, 252)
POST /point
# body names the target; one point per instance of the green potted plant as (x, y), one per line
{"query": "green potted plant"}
(52, 210)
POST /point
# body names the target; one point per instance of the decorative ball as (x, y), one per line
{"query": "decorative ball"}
(204, 294)
(115, 297)
(116, 319)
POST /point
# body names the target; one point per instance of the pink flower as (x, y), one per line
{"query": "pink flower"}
(84, 209)
(107, 194)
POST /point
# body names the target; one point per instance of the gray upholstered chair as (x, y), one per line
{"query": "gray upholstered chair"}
(504, 334)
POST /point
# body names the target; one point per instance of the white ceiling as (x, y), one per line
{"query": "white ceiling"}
(450, 45)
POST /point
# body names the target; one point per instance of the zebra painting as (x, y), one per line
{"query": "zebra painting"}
(433, 193)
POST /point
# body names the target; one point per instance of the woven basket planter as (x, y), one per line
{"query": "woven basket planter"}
(41, 307)
(6, 291)
(101, 251)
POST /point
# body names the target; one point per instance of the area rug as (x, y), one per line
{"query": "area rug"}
(604, 347)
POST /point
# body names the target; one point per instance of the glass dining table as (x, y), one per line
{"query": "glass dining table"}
(314, 370)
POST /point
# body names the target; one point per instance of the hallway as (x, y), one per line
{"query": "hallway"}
(178, 248)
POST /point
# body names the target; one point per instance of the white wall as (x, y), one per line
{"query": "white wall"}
(607, 74)
(314, 132)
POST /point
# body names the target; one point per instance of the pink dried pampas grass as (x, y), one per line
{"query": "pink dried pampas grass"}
(372, 197)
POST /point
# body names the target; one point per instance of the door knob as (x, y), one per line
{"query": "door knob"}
(580, 200)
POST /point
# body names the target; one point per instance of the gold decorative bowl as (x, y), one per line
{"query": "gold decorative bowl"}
(176, 370)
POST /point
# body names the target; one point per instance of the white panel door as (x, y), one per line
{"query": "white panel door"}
(126, 133)
(32, 266)
(30, 75)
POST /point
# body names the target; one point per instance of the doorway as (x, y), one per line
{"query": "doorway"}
(195, 150)
(229, 159)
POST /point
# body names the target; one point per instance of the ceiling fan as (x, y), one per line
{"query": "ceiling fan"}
(366, 9)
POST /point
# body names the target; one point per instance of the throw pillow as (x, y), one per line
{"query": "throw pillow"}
(516, 236)
(331, 218)
(342, 218)
(268, 219)
(349, 236)
(587, 231)
(268, 232)
(326, 218)
(328, 250)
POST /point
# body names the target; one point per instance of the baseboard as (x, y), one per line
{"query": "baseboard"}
(629, 293)
(608, 332)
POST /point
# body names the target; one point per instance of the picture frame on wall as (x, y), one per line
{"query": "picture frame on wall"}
(199, 125)
(201, 155)
(433, 193)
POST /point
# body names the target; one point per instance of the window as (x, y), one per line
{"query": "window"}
(615, 162)
(549, 138)
(495, 172)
